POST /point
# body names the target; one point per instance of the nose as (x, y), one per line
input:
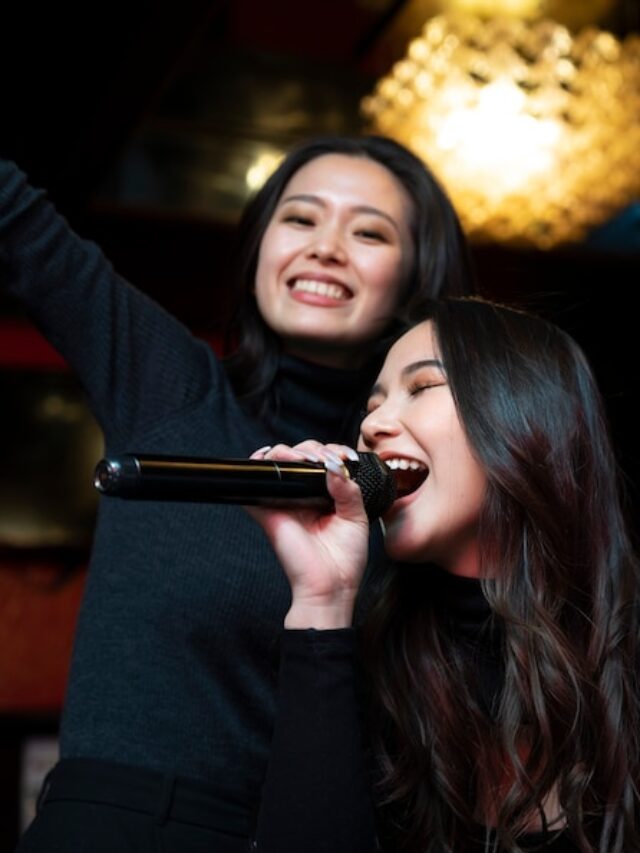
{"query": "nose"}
(379, 424)
(327, 245)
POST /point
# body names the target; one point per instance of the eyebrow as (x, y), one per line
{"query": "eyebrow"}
(359, 208)
(409, 370)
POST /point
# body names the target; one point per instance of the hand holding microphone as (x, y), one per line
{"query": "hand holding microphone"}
(312, 500)
(323, 554)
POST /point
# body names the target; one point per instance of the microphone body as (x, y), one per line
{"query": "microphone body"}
(240, 481)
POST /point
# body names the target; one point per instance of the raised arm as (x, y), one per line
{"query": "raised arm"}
(316, 795)
(135, 361)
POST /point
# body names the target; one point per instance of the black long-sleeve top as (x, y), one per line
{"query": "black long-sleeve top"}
(174, 662)
(317, 795)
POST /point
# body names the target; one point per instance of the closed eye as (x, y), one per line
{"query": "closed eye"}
(297, 219)
(419, 387)
(376, 236)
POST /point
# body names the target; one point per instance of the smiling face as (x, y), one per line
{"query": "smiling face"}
(334, 257)
(413, 424)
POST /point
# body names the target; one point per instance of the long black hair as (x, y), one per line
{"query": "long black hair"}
(562, 581)
(442, 264)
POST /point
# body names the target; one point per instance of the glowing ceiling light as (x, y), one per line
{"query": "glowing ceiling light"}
(576, 13)
(519, 8)
(535, 133)
(496, 144)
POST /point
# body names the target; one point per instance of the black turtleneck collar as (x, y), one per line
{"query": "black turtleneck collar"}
(463, 601)
(318, 402)
(465, 610)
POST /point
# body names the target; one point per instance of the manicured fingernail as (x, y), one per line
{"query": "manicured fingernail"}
(337, 468)
(351, 453)
(263, 449)
(333, 457)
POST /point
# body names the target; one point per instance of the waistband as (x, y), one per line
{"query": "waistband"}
(161, 796)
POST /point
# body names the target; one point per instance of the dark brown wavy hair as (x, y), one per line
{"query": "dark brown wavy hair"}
(562, 581)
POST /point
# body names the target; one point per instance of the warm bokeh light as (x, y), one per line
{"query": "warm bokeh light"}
(262, 168)
(576, 13)
(534, 132)
(519, 8)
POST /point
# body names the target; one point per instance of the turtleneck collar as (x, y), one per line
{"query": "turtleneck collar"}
(463, 605)
(463, 601)
(316, 401)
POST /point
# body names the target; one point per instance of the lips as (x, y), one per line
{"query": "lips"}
(408, 474)
(329, 289)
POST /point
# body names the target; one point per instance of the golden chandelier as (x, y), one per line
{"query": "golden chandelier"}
(533, 131)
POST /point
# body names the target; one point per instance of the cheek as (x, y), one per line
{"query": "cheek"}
(471, 486)
(384, 280)
(393, 270)
(271, 259)
(264, 284)
(265, 257)
(278, 249)
(260, 287)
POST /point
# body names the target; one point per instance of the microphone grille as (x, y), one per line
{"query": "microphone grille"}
(376, 483)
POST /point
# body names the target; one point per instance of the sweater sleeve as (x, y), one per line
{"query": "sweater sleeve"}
(136, 362)
(316, 796)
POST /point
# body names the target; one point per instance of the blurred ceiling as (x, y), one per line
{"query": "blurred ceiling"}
(164, 107)
(120, 90)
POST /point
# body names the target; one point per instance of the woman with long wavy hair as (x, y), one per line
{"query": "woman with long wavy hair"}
(500, 647)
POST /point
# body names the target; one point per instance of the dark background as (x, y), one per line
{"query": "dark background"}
(140, 119)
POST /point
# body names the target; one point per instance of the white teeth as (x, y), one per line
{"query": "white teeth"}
(322, 288)
(404, 464)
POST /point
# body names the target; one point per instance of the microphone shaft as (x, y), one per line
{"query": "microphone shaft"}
(192, 479)
(240, 481)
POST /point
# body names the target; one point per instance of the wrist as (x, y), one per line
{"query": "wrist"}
(321, 614)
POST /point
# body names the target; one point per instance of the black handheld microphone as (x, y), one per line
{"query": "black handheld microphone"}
(240, 481)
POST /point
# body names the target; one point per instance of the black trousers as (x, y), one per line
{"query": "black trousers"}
(89, 806)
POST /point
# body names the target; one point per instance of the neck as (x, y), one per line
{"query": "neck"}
(466, 562)
(326, 355)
